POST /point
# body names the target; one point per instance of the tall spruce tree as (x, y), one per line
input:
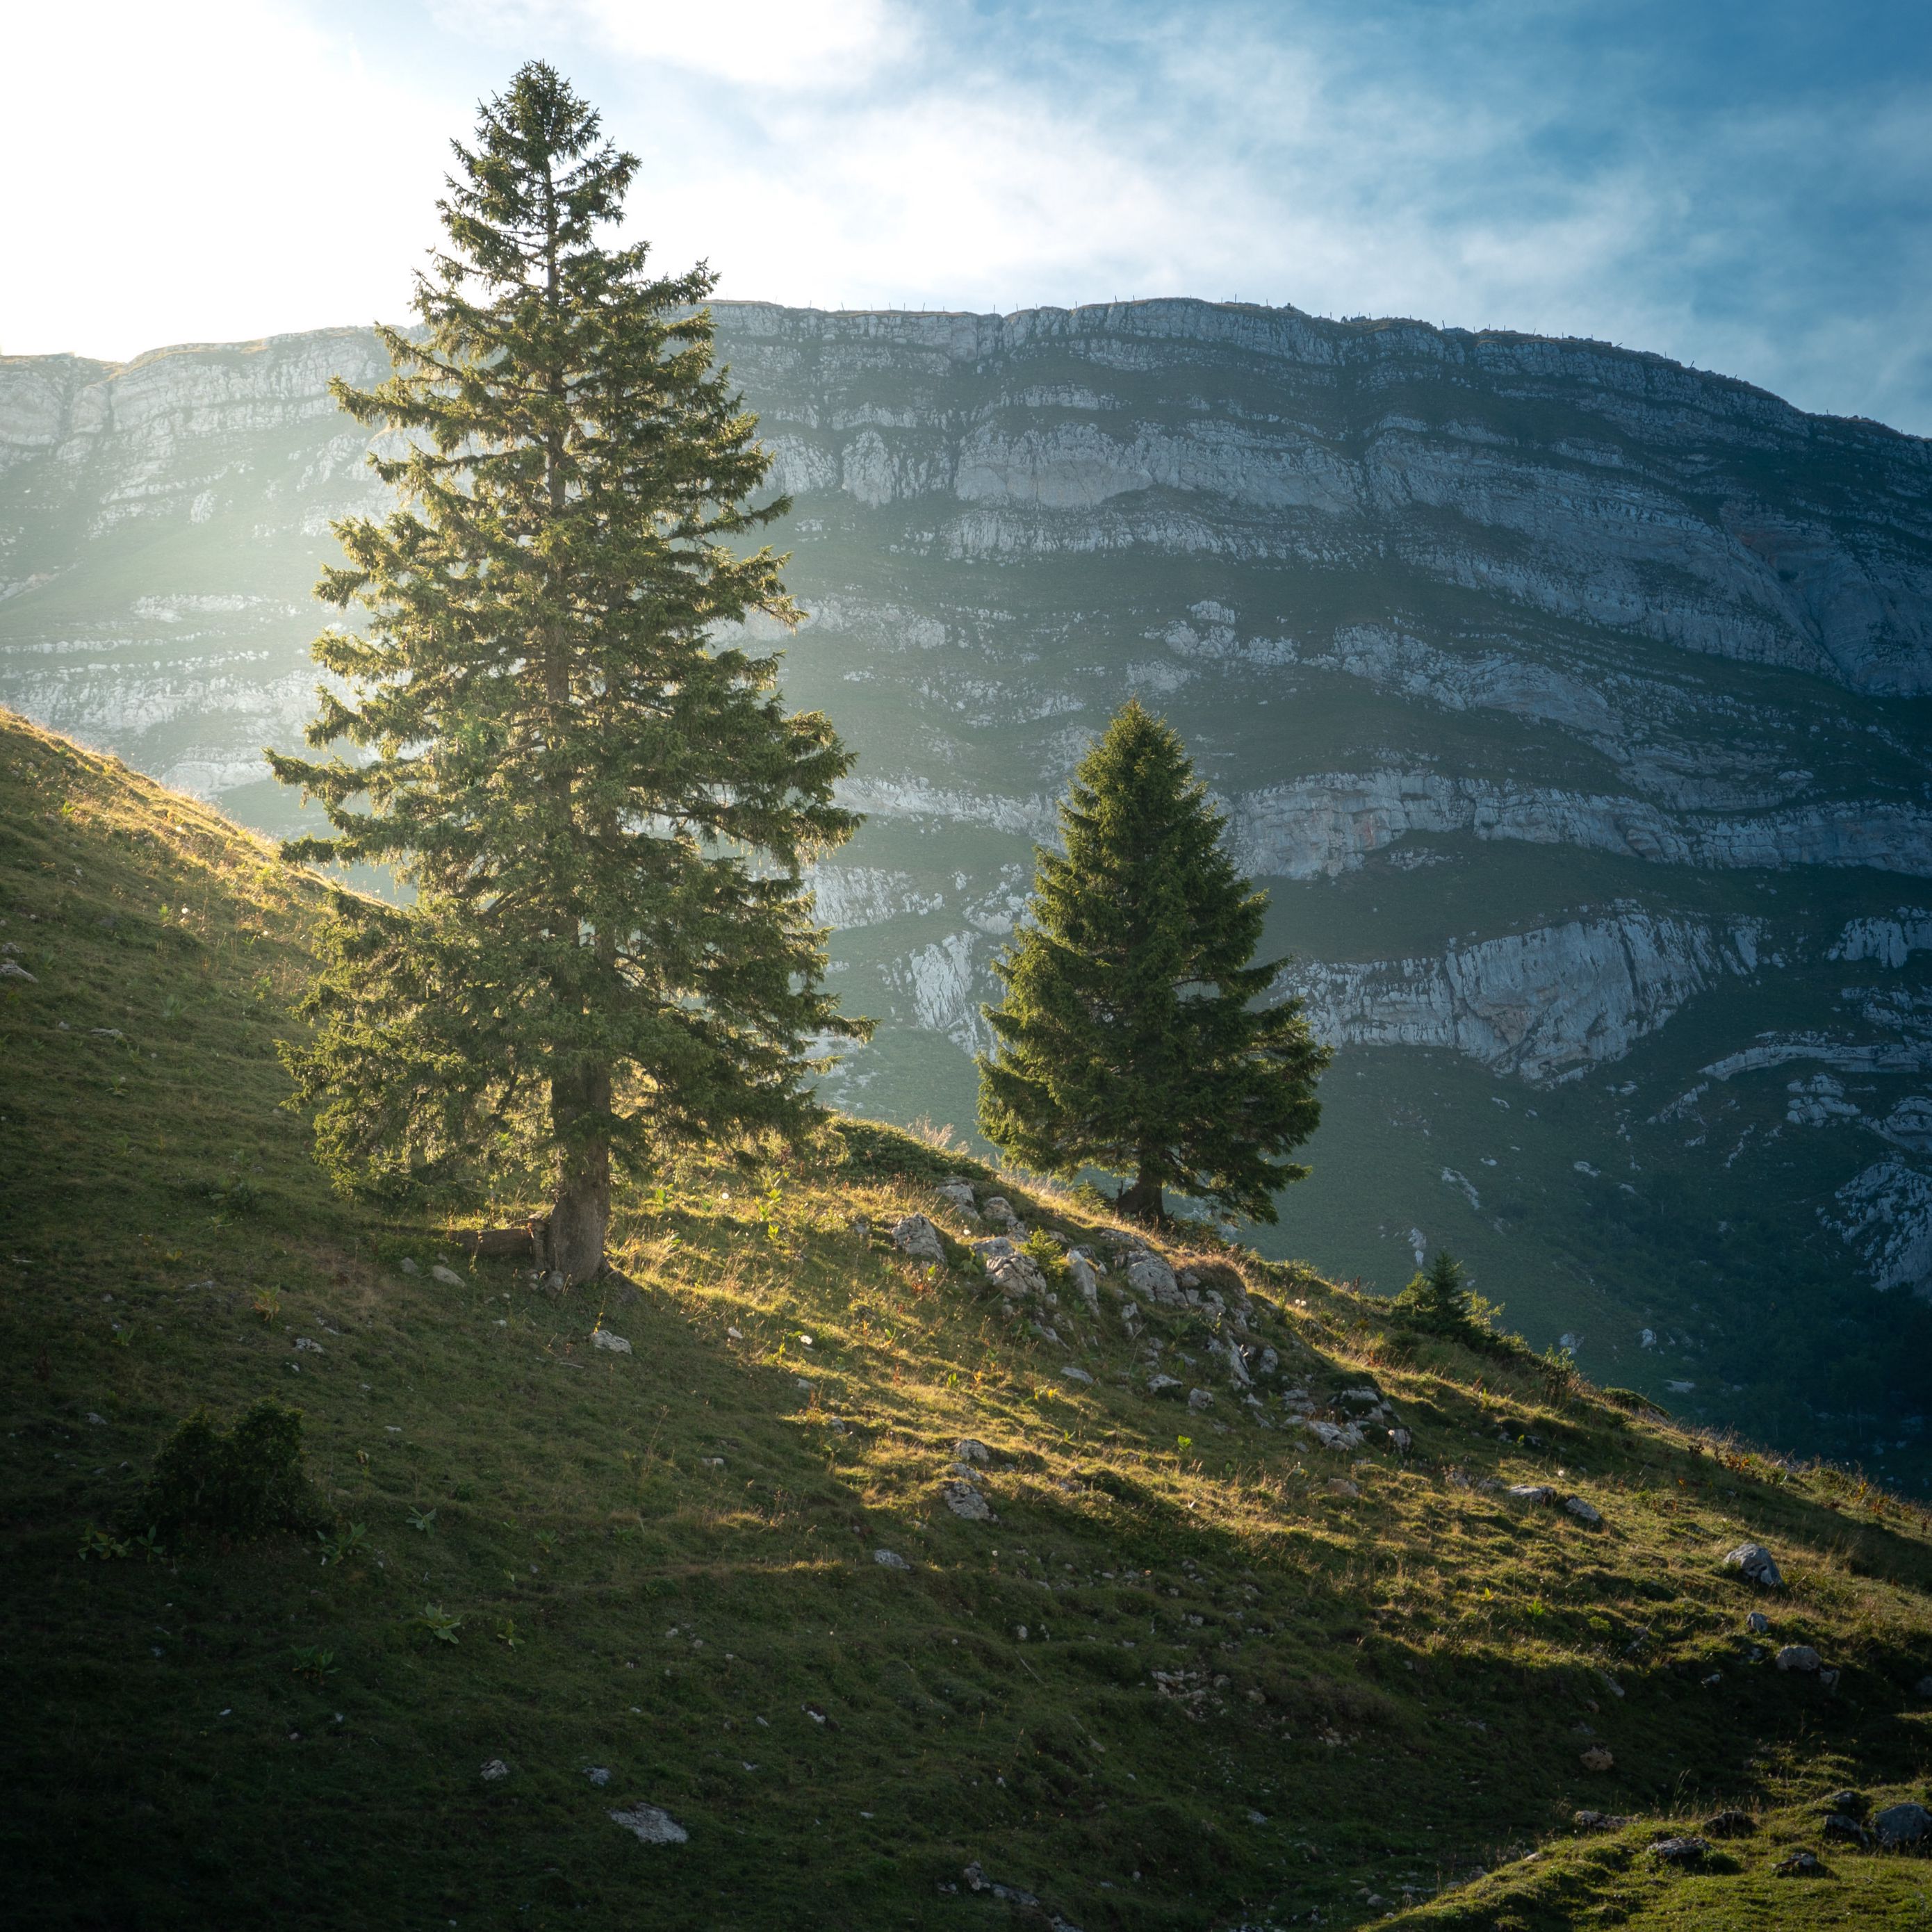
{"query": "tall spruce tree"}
(592, 788)
(1128, 1040)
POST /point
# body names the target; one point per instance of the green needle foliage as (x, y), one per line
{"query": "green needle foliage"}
(602, 808)
(1438, 1299)
(1128, 1039)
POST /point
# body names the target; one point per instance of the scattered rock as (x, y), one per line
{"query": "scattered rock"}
(969, 1450)
(1900, 1825)
(964, 1500)
(1073, 1374)
(1013, 1270)
(1853, 1803)
(998, 1208)
(976, 1880)
(408, 1266)
(1199, 1399)
(1598, 1758)
(1019, 1633)
(98, 1421)
(889, 1559)
(915, 1235)
(1758, 1564)
(1923, 1688)
(1085, 1279)
(956, 1193)
(1163, 1385)
(602, 1338)
(599, 1775)
(1333, 1435)
(494, 1769)
(1599, 1821)
(447, 1277)
(107, 1032)
(712, 1461)
(1532, 1492)
(1235, 1362)
(1800, 1864)
(1757, 1623)
(1340, 1486)
(1147, 1274)
(1402, 1441)
(1839, 1825)
(11, 969)
(1582, 1511)
(308, 1347)
(1731, 1823)
(651, 1825)
(1222, 1278)
(1799, 1657)
(1685, 1851)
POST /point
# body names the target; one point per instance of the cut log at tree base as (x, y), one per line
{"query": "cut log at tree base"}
(500, 1243)
(534, 1245)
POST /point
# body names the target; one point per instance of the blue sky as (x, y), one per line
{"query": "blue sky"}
(1748, 188)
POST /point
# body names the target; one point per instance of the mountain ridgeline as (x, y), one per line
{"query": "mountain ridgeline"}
(1593, 793)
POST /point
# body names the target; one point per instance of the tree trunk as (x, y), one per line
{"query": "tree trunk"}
(580, 1214)
(1142, 1202)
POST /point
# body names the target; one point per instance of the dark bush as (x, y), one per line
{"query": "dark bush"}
(235, 1483)
(1628, 1399)
(873, 1149)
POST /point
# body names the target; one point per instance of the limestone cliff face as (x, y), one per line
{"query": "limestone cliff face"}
(1582, 481)
(1567, 698)
(1544, 1005)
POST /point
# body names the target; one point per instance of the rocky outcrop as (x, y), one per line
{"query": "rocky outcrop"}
(1317, 827)
(1885, 1215)
(1890, 941)
(1543, 1005)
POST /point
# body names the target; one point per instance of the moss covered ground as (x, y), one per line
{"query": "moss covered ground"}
(1261, 1682)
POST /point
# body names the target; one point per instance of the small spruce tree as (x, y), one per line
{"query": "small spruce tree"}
(1128, 1039)
(1440, 1298)
(587, 779)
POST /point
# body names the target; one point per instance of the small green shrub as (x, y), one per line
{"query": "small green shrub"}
(875, 1150)
(1629, 1400)
(345, 1544)
(1438, 1299)
(436, 1622)
(1047, 1254)
(234, 1484)
(1441, 1302)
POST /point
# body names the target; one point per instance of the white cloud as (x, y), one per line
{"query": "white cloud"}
(757, 43)
(219, 171)
(241, 165)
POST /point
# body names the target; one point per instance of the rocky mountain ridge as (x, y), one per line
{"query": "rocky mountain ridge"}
(1567, 698)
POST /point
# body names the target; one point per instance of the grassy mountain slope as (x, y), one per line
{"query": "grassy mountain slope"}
(1258, 1680)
